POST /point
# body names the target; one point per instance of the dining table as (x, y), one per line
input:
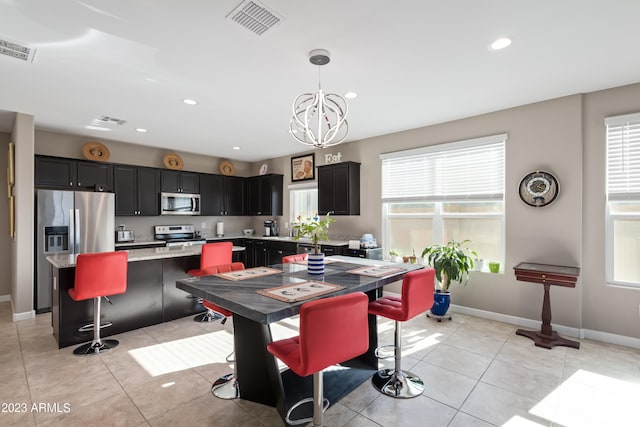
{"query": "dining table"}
(259, 297)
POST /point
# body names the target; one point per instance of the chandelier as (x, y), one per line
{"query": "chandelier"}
(319, 119)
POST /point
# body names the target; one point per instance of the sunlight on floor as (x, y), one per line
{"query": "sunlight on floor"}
(518, 421)
(184, 353)
(590, 399)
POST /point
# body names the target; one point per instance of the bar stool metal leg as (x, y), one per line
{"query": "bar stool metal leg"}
(226, 387)
(98, 345)
(396, 382)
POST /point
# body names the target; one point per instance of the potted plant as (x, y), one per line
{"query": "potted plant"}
(452, 263)
(314, 230)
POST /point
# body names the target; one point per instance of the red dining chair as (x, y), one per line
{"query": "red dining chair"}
(324, 341)
(417, 297)
(98, 275)
(225, 387)
(294, 258)
(217, 253)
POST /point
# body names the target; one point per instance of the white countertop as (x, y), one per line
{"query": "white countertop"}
(65, 261)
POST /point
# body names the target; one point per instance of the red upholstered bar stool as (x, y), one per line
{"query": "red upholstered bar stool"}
(225, 387)
(324, 341)
(294, 258)
(417, 297)
(218, 253)
(98, 275)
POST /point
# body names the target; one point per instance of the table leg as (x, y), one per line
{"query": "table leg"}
(547, 337)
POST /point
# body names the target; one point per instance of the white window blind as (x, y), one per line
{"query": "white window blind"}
(463, 170)
(623, 157)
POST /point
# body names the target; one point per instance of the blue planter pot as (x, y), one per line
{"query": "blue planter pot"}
(315, 264)
(441, 302)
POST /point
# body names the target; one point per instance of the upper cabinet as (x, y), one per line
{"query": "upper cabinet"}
(137, 190)
(69, 174)
(180, 182)
(264, 195)
(339, 189)
(221, 195)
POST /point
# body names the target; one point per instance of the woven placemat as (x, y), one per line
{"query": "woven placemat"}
(299, 291)
(249, 273)
(376, 270)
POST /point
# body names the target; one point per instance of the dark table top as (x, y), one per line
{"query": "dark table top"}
(548, 268)
(240, 297)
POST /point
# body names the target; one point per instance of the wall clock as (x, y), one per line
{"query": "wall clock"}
(538, 188)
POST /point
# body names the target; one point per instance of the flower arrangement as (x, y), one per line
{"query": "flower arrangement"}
(315, 230)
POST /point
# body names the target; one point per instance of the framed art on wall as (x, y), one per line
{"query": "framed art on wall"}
(303, 168)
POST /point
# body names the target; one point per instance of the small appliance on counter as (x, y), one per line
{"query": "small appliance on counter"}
(367, 241)
(177, 235)
(271, 228)
(124, 236)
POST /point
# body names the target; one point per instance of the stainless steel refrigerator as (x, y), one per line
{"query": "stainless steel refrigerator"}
(69, 222)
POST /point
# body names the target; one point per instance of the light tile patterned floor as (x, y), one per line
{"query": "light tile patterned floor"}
(477, 373)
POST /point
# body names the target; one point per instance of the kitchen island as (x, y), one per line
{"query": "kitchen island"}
(151, 296)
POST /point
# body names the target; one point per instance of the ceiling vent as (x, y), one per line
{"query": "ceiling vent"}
(17, 50)
(254, 16)
(110, 120)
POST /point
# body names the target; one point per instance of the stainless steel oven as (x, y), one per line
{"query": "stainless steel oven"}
(179, 204)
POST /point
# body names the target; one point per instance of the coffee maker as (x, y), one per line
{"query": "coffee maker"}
(271, 228)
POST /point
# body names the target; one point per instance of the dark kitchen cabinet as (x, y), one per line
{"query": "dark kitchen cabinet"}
(180, 182)
(256, 253)
(339, 189)
(137, 190)
(70, 174)
(221, 195)
(264, 195)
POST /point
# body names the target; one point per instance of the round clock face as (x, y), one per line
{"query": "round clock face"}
(538, 188)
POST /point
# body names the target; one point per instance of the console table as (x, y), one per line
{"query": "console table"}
(547, 275)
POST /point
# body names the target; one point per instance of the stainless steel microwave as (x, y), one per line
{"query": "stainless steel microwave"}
(179, 204)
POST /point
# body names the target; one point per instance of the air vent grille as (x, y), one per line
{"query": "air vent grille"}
(17, 50)
(254, 16)
(111, 120)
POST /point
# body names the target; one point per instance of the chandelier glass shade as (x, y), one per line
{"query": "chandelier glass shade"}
(319, 119)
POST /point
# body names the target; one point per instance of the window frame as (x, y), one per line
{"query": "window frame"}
(438, 216)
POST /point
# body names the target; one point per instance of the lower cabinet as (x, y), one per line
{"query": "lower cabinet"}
(267, 252)
(151, 298)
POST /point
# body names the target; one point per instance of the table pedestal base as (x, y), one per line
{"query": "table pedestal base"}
(547, 341)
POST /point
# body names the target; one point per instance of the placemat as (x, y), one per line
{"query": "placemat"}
(326, 261)
(249, 273)
(376, 270)
(299, 291)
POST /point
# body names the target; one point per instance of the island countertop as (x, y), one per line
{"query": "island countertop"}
(66, 260)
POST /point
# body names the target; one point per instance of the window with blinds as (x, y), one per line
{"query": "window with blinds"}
(623, 200)
(452, 191)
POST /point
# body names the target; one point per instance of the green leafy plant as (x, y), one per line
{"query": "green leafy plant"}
(314, 230)
(452, 262)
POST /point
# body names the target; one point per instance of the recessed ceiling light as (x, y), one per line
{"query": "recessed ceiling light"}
(190, 101)
(500, 43)
(91, 127)
(236, 148)
(350, 95)
(141, 130)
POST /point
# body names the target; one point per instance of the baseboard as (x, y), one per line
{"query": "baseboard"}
(5, 298)
(562, 330)
(24, 316)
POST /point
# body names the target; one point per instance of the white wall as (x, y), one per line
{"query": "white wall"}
(22, 244)
(5, 241)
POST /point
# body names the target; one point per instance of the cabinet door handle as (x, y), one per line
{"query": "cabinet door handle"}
(79, 184)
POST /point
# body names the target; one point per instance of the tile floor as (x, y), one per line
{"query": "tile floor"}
(477, 373)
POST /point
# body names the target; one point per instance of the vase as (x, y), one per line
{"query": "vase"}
(441, 302)
(315, 263)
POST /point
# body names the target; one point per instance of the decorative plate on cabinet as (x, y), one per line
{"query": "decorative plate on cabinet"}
(173, 161)
(95, 151)
(263, 169)
(227, 168)
(538, 188)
